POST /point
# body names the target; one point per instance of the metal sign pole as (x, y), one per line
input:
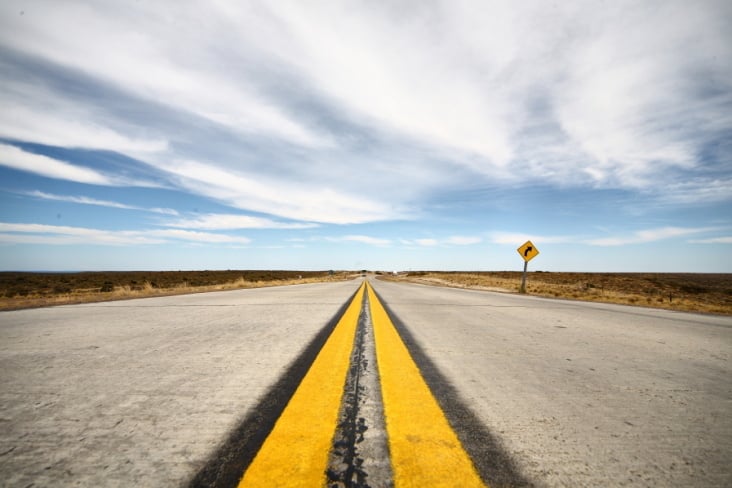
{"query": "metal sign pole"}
(523, 278)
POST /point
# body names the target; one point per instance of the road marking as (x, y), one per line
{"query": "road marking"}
(360, 453)
(423, 448)
(425, 451)
(295, 453)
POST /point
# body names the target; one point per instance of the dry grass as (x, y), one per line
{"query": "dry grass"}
(709, 293)
(30, 290)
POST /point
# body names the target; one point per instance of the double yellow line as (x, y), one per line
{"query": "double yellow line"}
(424, 449)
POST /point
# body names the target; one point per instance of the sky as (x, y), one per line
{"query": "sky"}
(392, 135)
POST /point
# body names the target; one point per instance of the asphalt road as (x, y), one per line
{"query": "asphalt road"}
(144, 392)
(141, 392)
(583, 394)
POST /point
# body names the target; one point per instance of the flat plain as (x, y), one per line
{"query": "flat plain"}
(689, 292)
(20, 290)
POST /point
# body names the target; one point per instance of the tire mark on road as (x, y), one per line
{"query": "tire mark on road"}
(494, 464)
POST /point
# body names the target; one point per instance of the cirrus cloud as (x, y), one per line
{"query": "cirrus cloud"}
(16, 158)
(648, 235)
(233, 221)
(22, 233)
(101, 203)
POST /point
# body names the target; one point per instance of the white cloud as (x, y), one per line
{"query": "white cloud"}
(102, 203)
(373, 241)
(56, 234)
(154, 51)
(232, 221)
(638, 237)
(517, 239)
(713, 240)
(620, 94)
(407, 76)
(73, 239)
(647, 235)
(463, 240)
(194, 236)
(631, 102)
(16, 158)
(160, 210)
(536, 90)
(307, 203)
(66, 124)
(427, 242)
(697, 190)
(448, 241)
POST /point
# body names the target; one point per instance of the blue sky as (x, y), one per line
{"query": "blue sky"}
(380, 135)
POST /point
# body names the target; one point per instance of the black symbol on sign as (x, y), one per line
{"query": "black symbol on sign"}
(528, 250)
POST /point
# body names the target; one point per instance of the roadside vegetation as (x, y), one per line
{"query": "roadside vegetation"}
(691, 292)
(711, 293)
(27, 290)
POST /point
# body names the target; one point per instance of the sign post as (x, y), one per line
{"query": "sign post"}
(528, 251)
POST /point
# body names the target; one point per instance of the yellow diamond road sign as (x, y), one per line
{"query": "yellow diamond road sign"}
(528, 251)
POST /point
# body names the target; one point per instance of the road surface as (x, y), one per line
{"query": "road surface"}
(584, 394)
(141, 392)
(151, 392)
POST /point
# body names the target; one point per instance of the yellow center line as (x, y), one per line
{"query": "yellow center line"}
(296, 452)
(425, 451)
